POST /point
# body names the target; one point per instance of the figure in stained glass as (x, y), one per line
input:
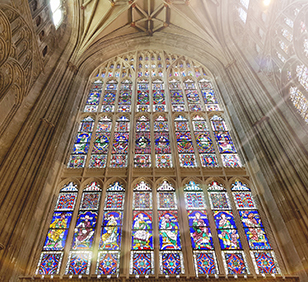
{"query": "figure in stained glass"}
(169, 237)
(84, 230)
(229, 239)
(57, 233)
(142, 234)
(257, 239)
(224, 219)
(224, 142)
(111, 236)
(250, 218)
(201, 237)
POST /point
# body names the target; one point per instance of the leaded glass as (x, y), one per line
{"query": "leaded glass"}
(93, 97)
(265, 262)
(111, 230)
(205, 263)
(235, 262)
(120, 143)
(79, 263)
(81, 145)
(169, 231)
(143, 143)
(142, 230)
(51, 257)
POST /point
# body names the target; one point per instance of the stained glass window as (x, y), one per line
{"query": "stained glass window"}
(52, 254)
(94, 97)
(159, 102)
(143, 143)
(120, 143)
(109, 96)
(170, 255)
(208, 95)
(108, 261)
(79, 261)
(184, 142)
(125, 96)
(204, 142)
(101, 144)
(162, 142)
(189, 99)
(192, 96)
(262, 256)
(143, 96)
(82, 142)
(200, 233)
(142, 255)
(224, 142)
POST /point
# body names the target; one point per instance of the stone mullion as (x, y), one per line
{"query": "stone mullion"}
(184, 232)
(97, 234)
(127, 224)
(155, 232)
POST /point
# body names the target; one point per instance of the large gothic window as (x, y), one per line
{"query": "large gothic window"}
(152, 131)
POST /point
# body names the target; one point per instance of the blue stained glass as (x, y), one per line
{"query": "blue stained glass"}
(49, 263)
(171, 263)
(257, 239)
(77, 161)
(93, 98)
(107, 263)
(112, 218)
(229, 239)
(84, 230)
(142, 263)
(224, 219)
(194, 200)
(110, 238)
(197, 218)
(250, 218)
(201, 237)
(79, 263)
(177, 97)
(265, 262)
(235, 263)
(209, 97)
(205, 263)
(109, 97)
(225, 143)
(66, 201)
(83, 137)
(159, 97)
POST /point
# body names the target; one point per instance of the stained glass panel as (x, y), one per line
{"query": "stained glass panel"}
(235, 263)
(78, 263)
(108, 263)
(205, 263)
(171, 263)
(49, 263)
(142, 263)
(265, 262)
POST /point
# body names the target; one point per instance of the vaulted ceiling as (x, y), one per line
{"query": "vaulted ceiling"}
(106, 19)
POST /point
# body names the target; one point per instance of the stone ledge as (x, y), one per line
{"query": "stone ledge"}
(212, 278)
